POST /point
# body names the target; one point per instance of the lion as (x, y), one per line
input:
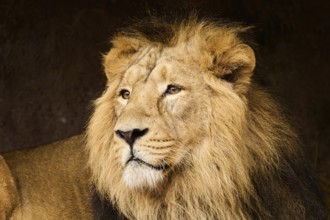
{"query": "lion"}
(181, 131)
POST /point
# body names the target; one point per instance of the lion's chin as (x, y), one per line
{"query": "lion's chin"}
(139, 175)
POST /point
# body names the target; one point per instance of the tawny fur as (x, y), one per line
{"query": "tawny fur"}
(48, 182)
(234, 131)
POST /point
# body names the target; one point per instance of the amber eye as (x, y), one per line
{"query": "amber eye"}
(125, 94)
(173, 89)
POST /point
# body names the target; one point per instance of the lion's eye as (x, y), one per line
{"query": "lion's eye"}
(125, 94)
(173, 89)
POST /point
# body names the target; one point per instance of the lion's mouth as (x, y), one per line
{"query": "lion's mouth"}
(160, 167)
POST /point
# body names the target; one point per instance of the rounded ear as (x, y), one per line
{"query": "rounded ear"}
(236, 66)
(116, 60)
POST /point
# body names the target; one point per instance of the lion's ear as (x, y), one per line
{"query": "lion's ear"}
(236, 66)
(116, 60)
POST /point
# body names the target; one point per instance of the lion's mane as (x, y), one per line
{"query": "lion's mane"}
(253, 167)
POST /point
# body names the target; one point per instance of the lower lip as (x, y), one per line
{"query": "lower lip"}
(158, 168)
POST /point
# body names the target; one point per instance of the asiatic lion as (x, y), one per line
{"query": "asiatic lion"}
(180, 132)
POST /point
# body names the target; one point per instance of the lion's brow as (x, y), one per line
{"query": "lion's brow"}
(149, 73)
(140, 57)
(154, 64)
(150, 64)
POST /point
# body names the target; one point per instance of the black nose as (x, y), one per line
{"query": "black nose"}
(132, 135)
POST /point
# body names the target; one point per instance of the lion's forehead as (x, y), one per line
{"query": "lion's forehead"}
(154, 64)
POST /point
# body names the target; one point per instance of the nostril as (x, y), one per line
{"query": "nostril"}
(132, 135)
(124, 134)
(139, 133)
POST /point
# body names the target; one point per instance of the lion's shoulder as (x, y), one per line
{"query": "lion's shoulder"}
(58, 169)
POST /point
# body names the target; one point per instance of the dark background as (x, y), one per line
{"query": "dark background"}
(50, 62)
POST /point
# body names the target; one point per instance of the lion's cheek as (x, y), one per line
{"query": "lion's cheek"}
(178, 105)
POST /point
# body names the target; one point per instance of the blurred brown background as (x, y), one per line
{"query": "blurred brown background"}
(50, 62)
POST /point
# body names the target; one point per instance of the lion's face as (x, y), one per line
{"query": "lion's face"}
(164, 107)
(161, 106)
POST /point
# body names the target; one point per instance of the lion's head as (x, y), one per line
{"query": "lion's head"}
(179, 130)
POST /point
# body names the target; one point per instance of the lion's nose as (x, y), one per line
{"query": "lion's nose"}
(132, 135)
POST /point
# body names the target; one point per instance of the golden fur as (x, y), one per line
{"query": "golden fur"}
(205, 145)
(48, 182)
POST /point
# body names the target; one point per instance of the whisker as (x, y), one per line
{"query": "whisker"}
(153, 147)
(161, 140)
